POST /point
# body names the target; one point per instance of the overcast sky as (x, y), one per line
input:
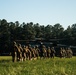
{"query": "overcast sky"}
(43, 12)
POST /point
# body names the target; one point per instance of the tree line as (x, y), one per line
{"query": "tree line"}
(10, 31)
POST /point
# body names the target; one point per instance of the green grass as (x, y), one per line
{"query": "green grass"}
(57, 66)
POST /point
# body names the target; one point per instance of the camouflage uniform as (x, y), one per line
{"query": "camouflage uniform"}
(48, 52)
(69, 53)
(44, 51)
(24, 53)
(61, 53)
(31, 55)
(20, 50)
(14, 52)
(37, 51)
(52, 52)
(34, 52)
(64, 53)
(40, 51)
(27, 53)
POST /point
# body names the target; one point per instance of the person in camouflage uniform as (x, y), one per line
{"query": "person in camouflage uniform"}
(53, 52)
(69, 53)
(40, 52)
(28, 53)
(14, 52)
(33, 52)
(48, 52)
(62, 53)
(37, 50)
(44, 49)
(20, 51)
(24, 53)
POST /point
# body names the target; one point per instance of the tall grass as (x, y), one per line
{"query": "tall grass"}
(56, 66)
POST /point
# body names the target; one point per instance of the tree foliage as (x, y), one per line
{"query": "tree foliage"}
(10, 31)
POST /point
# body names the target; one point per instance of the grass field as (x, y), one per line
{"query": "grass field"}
(56, 66)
